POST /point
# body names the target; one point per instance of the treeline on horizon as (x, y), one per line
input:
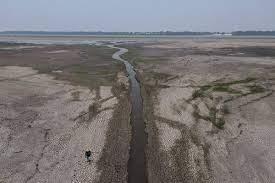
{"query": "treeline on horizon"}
(161, 33)
(104, 33)
(253, 33)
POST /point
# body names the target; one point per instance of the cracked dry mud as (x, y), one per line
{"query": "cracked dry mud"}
(209, 110)
(47, 124)
(40, 123)
(208, 106)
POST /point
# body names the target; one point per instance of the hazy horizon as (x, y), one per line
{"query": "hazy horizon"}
(137, 16)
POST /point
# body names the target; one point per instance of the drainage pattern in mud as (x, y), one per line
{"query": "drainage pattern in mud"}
(136, 164)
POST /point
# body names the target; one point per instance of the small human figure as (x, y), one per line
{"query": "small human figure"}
(88, 155)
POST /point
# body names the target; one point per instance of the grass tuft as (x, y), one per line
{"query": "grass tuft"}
(197, 94)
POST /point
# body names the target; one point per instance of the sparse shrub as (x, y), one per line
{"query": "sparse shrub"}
(220, 123)
(197, 94)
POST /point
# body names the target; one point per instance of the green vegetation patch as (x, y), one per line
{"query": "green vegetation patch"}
(225, 88)
(197, 94)
(247, 80)
(217, 120)
(220, 123)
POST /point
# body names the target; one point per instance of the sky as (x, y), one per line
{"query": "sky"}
(137, 15)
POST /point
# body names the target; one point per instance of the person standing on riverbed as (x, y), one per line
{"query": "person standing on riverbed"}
(88, 156)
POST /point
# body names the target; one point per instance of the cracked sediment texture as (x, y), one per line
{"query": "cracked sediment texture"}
(115, 155)
(49, 120)
(208, 109)
(47, 125)
(172, 153)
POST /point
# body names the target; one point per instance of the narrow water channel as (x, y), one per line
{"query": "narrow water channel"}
(136, 163)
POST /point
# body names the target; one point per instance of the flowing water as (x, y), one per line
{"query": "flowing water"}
(136, 164)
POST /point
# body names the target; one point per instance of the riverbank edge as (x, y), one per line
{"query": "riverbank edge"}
(113, 164)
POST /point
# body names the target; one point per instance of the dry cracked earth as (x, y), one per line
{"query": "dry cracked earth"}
(208, 105)
(56, 103)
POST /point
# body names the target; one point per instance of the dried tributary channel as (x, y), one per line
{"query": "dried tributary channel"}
(136, 164)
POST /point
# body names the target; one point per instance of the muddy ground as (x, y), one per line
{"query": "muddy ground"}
(56, 102)
(209, 108)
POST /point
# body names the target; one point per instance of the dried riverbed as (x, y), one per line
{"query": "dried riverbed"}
(208, 106)
(56, 103)
(209, 109)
